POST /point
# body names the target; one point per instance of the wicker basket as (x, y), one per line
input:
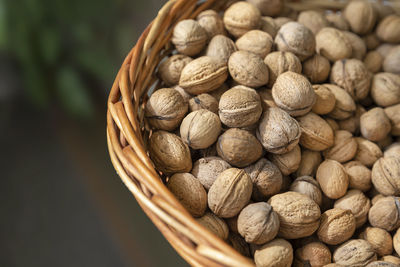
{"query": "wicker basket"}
(127, 136)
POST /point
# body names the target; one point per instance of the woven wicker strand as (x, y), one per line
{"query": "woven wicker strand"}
(127, 135)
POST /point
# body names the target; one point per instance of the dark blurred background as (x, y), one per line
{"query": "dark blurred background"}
(61, 200)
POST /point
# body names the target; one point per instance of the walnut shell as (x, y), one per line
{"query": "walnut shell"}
(359, 176)
(385, 89)
(280, 21)
(384, 49)
(393, 114)
(375, 125)
(214, 224)
(258, 223)
(266, 98)
(333, 44)
(393, 150)
(308, 186)
(207, 169)
(288, 162)
(358, 203)
(380, 240)
(165, 109)
(345, 105)
(190, 193)
(170, 69)
(203, 101)
(298, 214)
(381, 264)
(257, 42)
(325, 100)
(386, 175)
(391, 259)
(266, 178)
(392, 61)
(313, 20)
(241, 17)
(309, 163)
(278, 252)
(373, 62)
(337, 21)
(372, 41)
(189, 37)
(334, 125)
(396, 241)
(313, 254)
(248, 69)
(359, 48)
(344, 148)
(332, 178)
(316, 134)
(385, 213)
(352, 124)
(296, 38)
(352, 76)
(203, 75)
(278, 132)
(361, 16)
(293, 93)
(388, 29)
(230, 192)
(169, 153)
(211, 23)
(355, 252)
(367, 152)
(268, 25)
(239, 244)
(268, 7)
(239, 147)
(240, 107)
(279, 62)
(337, 226)
(221, 48)
(316, 68)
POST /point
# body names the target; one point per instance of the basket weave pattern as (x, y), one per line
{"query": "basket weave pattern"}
(128, 134)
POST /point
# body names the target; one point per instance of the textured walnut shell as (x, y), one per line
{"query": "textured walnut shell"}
(352, 76)
(352, 124)
(211, 22)
(280, 21)
(388, 30)
(386, 175)
(367, 152)
(332, 178)
(239, 147)
(314, 254)
(380, 240)
(239, 244)
(258, 223)
(308, 186)
(266, 178)
(344, 148)
(382, 11)
(316, 134)
(169, 153)
(345, 105)
(358, 203)
(371, 41)
(309, 163)
(391, 259)
(200, 129)
(186, 96)
(313, 20)
(216, 225)
(373, 62)
(359, 48)
(298, 214)
(333, 44)
(221, 48)
(385, 89)
(278, 132)
(266, 98)
(325, 100)
(336, 226)
(316, 68)
(203, 75)
(337, 21)
(257, 42)
(203, 101)
(359, 176)
(229, 193)
(393, 150)
(384, 49)
(288, 162)
(165, 109)
(385, 213)
(170, 69)
(207, 169)
(248, 69)
(268, 7)
(381, 264)
(355, 252)
(361, 16)
(375, 125)
(385, 142)
(334, 125)
(190, 193)
(393, 114)
(189, 37)
(392, 61)
(293, 93)
(217, 93)
(268, 25)
(296, 38)
(240, 107)
(278, 252)
(279, 62)
(241, 17)
(396, 241)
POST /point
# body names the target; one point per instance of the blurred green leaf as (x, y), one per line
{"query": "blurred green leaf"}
(3, 25)
(35, 85)
(73, 94)
(49, 44)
